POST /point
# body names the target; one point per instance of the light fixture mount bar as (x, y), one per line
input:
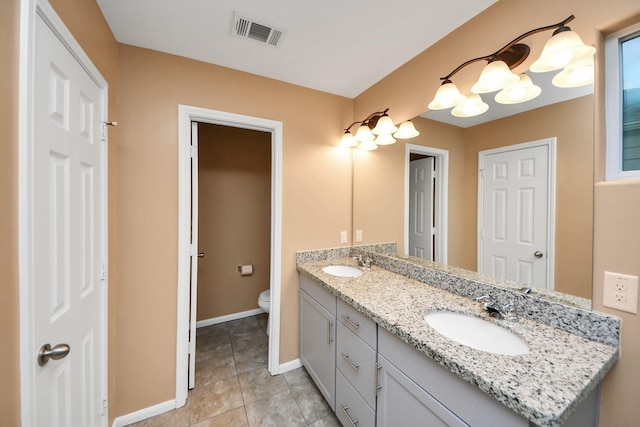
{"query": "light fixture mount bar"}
(371, 120)
(513, 53)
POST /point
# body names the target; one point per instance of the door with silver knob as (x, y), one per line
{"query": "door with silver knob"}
(56, 353)
(66, 252)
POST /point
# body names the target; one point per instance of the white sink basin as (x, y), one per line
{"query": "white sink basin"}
(477, 333)
(342, 271)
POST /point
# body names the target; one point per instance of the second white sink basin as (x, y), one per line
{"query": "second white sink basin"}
(476, 333)
(342, 271)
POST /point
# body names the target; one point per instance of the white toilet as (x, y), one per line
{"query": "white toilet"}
(264, 302)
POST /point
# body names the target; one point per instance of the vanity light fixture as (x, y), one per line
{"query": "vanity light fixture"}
(376, 129)
(564, 50)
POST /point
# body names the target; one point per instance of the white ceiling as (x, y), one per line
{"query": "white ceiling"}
(341, 47)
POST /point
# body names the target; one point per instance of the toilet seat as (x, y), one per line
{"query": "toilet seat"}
(265, 296)
(264, 302)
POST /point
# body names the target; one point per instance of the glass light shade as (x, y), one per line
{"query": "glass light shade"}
(447, 96)
(521, 91)
(560, 50)
(407, 130)
(364, 134)
(384, 126)
(348, 141)
(577, 73)
(385, 139)
(495, 75)
(474, 106)
(368, 146)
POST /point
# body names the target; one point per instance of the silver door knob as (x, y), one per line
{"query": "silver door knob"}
(201, 255)
(538, 254)
(56, 353)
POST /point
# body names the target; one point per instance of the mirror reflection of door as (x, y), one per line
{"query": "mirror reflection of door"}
(515, 213)
(421, 206)
(426, 202)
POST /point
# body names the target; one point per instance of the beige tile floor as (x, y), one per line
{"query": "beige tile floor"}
(234, 388)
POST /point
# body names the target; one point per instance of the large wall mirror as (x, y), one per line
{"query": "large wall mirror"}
(380, 201)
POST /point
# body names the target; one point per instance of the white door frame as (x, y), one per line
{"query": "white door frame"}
(551, 200)
(187, 114)
(28, 11)
(441, 198)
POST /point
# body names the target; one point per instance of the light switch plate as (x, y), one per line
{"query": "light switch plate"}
(343, 237)
(358, 236)
(620, 292)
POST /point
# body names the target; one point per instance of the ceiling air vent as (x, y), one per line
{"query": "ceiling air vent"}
(248, 28)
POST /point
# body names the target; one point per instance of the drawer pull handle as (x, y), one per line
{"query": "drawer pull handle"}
(355, 366)
(351, 322)
(351, 420)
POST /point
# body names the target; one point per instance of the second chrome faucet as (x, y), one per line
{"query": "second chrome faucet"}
(507, 311)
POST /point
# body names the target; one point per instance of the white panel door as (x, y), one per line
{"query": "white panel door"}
(68, 219)
(421, 192)
(513, 209)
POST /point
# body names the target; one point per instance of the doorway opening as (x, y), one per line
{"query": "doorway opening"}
(426, 202)
(188, 248)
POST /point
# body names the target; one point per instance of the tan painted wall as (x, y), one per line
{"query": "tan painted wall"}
(316, 198)
(574, 182)
(234, 223)
(407, 91)
(9, 323)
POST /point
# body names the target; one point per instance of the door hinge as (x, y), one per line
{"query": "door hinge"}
(103, 274)
(193, 151)
(104, 406)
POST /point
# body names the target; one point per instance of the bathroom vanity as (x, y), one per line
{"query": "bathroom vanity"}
(365, 342)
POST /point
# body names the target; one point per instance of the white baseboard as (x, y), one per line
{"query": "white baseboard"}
(145, 413)
(290, 366)
(228, 317)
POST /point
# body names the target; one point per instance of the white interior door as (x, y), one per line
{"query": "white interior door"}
(67, 230)
(193, 311)
(421, 204)
(514, 205)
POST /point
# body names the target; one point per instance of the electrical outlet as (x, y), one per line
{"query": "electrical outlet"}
(620, 292)
(358, 236)
(343, 237)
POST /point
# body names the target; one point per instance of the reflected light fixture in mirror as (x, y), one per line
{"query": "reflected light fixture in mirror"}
(472, 106)
(564, 50)
(376, 129)
(521, 91)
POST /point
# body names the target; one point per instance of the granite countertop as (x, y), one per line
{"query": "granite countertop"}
(544, 385)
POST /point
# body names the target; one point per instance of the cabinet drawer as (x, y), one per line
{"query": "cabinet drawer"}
(351, 409)
(357, 362)
(320, 294)
(357, 323)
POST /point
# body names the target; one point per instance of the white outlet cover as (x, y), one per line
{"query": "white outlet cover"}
(620, 292)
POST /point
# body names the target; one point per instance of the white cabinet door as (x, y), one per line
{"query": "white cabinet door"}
(401, 402)
(317, 345)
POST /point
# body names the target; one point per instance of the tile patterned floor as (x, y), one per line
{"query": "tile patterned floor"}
(234, 388)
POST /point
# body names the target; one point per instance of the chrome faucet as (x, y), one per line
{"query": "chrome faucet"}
(363, 261)
(506, 311)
